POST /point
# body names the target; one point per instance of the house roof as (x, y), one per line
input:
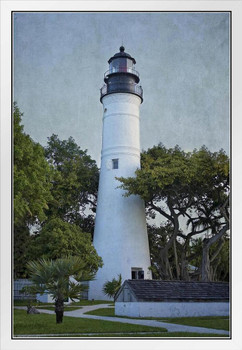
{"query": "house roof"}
(155, 290)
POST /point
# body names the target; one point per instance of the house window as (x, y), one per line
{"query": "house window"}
(115, 163)
(137, 273)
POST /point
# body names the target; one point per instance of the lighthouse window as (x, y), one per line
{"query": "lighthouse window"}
(140, 275)
(115, 163)
(137, 273)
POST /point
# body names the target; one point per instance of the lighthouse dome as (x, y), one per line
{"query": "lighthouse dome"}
(121, 54)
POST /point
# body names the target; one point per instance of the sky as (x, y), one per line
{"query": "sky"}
(182, 58)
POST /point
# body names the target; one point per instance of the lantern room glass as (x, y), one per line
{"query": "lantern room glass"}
(121, 64)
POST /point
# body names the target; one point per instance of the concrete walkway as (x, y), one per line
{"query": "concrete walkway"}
(171, 327)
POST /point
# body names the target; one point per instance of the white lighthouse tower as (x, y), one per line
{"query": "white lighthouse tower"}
(120, 235)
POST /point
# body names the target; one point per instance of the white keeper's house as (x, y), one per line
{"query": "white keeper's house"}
(143, 298)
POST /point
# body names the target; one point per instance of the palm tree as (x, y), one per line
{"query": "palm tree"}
(110, 288)
(60, 278)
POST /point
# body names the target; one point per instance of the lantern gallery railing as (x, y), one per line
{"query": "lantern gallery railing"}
(121, 70)
(121, 87)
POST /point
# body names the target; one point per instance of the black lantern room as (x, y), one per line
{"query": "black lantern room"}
(121, 76)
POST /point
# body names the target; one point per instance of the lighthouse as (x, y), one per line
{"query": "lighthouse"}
(120, 235)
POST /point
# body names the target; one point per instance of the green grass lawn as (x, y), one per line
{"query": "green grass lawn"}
(46, 324)
(103, 312)
(216, 322)
(78, 327)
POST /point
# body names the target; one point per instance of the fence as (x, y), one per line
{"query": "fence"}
(18, 285)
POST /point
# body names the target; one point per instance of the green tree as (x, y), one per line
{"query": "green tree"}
(58, 239)
(32, 176)
(75, 183)
(219, 256)
(61, 278)
(192, 187)
(32, 189)
(158, 237)
(163, 183)
(111, 288)
(212, 204)
(55, 191)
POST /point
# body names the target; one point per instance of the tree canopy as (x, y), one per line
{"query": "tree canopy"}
(32, 177)
(59, 239)
(75, 183)
(55, 190)
(190, 190)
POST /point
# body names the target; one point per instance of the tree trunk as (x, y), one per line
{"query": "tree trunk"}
(184, 267)
(164, 253)
(214, 270)
(205, 262)
(176, 261)
(168, 268)
(59, 310)
(207, 242)
(164, 269)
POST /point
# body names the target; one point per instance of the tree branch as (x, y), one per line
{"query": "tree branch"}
(216, 237)
(162, 212)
